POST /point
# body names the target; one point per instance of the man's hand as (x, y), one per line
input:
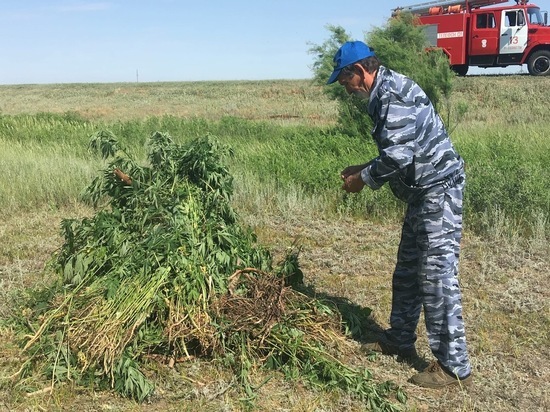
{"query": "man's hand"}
(351, 170)
(353, 183)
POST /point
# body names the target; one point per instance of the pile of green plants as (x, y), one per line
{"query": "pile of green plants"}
(165, 267)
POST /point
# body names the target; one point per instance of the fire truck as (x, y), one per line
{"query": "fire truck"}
(472, 34)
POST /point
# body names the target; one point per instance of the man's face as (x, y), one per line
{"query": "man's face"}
(353, 79)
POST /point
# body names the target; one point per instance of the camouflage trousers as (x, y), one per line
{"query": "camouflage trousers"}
(426, 276)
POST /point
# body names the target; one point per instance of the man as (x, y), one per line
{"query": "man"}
(418, 161)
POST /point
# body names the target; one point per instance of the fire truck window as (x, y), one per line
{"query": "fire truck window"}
(491, 24)
(511, 18)
(521, 18)
(481, 21)
(485, 21)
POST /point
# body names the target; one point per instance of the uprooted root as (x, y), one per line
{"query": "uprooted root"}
(253, 303)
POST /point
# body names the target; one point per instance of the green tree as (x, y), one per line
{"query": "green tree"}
(400, 45)
(351, 120)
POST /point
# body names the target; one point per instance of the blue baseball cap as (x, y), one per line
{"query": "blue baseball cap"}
(350, 52)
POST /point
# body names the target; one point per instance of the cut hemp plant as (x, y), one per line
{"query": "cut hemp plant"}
(165, 267)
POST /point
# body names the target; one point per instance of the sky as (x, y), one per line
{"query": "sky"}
(104, 41)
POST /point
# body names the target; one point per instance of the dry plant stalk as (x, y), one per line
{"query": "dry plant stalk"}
(102, 328)
(184, 325)
(123, 176)
(253, 303)
(257, 301)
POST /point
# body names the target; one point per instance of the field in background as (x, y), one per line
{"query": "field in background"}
(502, 137)
(501, 100)
(282, 101)
(287, 158)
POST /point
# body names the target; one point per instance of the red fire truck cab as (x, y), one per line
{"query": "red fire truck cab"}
(472, 34)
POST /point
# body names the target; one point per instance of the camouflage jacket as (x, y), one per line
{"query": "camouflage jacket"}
(415, 152)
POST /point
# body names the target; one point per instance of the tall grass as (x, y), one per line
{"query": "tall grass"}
(34, 176)
(295, 162)
(508, 178)
(287, 167)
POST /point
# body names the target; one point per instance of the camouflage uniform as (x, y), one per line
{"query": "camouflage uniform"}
(418, 161)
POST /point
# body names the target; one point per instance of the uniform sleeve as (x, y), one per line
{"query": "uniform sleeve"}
(395, 131)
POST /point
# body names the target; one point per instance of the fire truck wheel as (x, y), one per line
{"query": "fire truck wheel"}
(460, 69)
(539, 63)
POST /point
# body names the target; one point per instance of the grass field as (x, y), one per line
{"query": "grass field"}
(286, 164)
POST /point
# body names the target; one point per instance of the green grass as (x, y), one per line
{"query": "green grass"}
(35, 175)
(45, 160)
(286, 164)
(507, 171)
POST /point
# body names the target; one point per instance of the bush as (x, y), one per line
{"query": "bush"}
(401, 46)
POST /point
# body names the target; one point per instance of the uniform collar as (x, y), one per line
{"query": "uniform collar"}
(373, 99)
